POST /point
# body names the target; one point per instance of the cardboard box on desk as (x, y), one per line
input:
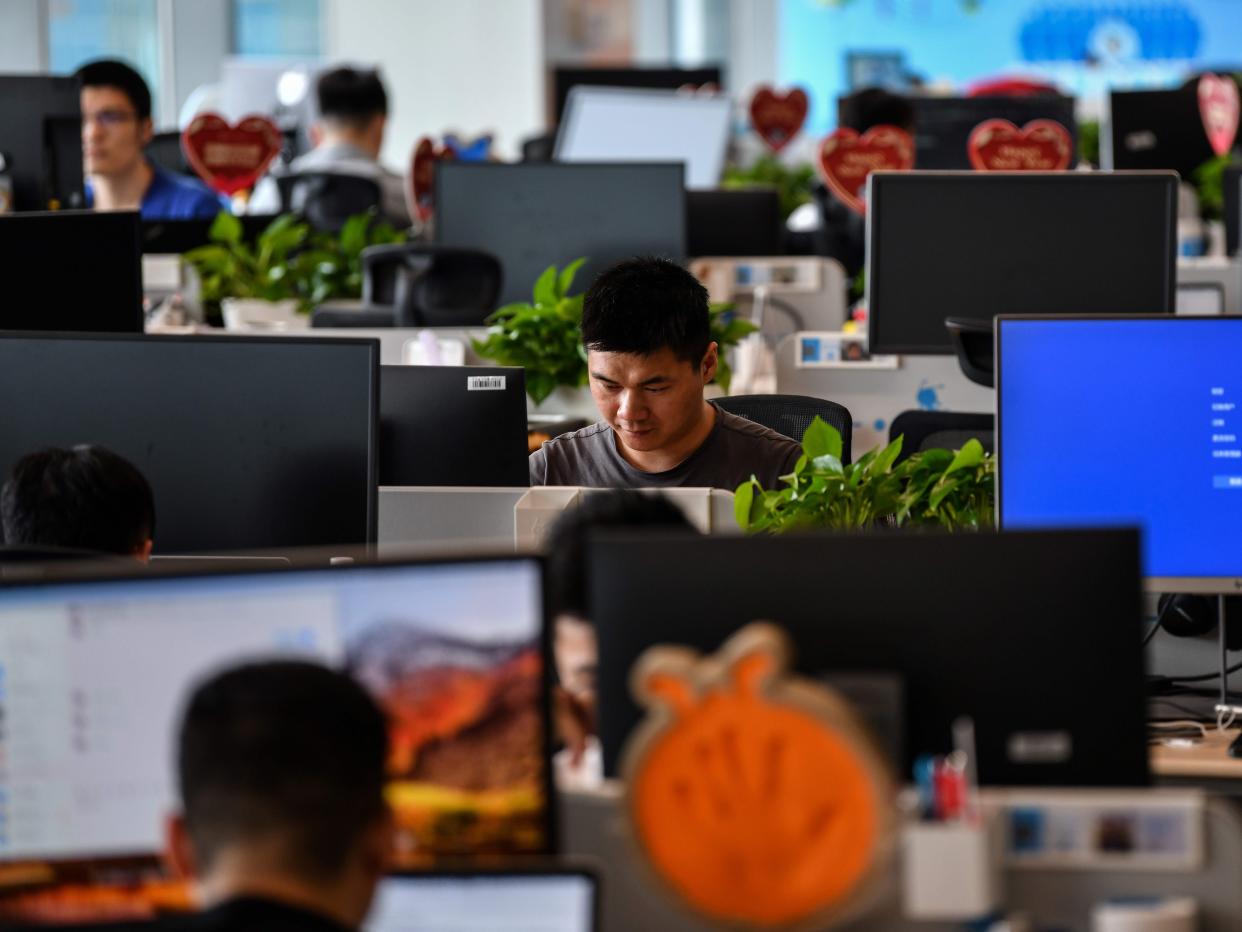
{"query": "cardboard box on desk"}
(709, 510)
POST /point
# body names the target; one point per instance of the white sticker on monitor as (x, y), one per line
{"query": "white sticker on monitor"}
(486, 383)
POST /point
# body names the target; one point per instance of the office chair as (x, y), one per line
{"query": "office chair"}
(164, 150)
(327, 199)
(791, 415)
(947, 430)
(416, 285)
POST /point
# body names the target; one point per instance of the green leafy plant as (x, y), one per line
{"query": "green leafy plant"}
(938, 488)
(1209, 182)
(544, 336)
(793, 185)
(541, 336)
(287, 260)
(1089, 141)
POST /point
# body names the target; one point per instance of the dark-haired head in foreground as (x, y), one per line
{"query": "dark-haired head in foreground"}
(86, 498)
(281, 769)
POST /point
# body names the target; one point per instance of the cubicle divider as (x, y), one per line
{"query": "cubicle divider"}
(877, 390)
(516, 518)
(1054, 893)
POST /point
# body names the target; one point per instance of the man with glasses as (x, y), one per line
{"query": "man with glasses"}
(116, 126)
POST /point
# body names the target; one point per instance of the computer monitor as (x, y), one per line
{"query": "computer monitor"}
(71, 270)
(534, 215)
(41, 140)
(565, 79)
(95, 673)
(942, 125)
(977, 244)
(1156, 129)
(453, 426)
(614, 124)
(1037, 636)
(250, 444)
(174, 237)
(1126, 421)
(537, 900)
(734, 223)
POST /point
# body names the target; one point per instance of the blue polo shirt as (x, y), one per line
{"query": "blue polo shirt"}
(175, 197)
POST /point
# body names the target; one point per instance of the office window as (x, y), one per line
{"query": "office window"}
(81, 30)
(277, 28)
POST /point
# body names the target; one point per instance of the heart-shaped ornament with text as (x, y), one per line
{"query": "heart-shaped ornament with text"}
(231, 158)
(1040, 146)
(778, 117)
(420, 182)
(1218, 106)
(846, 159)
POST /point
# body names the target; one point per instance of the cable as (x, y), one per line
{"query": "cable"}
(1155, 628)
(1205, 677)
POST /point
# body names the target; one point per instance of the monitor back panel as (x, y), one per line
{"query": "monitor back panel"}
(249, 444)
(1035, 636)
(734, 223)
(77, 271)
(531, 216)
(976, 244)
(453, 426)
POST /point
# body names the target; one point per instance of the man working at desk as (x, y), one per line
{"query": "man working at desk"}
(116, 126)
(646, 328)
(349, 134)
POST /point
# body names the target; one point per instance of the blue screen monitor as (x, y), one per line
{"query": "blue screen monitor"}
(1127, 422)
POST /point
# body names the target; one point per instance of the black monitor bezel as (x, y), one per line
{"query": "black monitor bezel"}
(373, 344)
(878, 180)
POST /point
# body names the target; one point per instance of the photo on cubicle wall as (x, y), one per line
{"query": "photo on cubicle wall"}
(454, 652)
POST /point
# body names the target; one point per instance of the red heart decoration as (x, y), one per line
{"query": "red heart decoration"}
(420, 182)
(1218, 106)
(778, 117)
(1041, 145)
(846, 159)
(231, 158)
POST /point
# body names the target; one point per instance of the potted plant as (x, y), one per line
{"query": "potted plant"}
(544, 337)
(286, 272)
(954, 490)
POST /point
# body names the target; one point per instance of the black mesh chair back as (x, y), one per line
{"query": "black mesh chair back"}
(791, 415)
(327, 199)
(947, 430)
(164, 150)
(432, 286)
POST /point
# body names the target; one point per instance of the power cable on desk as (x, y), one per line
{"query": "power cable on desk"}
(1156, 625)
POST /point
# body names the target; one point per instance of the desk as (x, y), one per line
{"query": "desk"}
(1206, 761)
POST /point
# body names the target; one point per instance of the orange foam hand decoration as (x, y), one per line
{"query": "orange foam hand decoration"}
(754, 796)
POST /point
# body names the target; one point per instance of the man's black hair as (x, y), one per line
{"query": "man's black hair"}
(87, 498)
(874, 106)
(645, 305)
(283, 752)
(351, 96)
(567, 539)
(109, 72)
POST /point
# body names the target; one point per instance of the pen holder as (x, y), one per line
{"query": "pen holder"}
(952, 870)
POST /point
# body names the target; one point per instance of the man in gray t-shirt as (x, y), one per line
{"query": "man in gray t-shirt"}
(645, 325)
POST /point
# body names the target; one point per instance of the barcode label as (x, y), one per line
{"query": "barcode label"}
(485, 383)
